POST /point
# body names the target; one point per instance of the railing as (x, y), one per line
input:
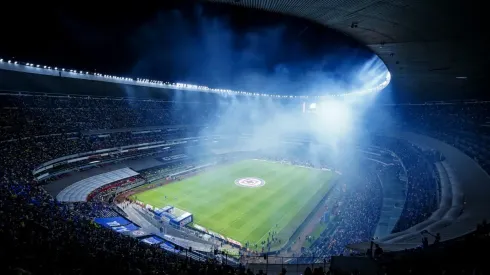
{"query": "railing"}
(275, 264)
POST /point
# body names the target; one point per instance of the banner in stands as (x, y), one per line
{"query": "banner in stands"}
(153, 239)
(112, 221)
(125, 228)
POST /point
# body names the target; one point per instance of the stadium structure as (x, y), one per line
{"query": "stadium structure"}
(299, 181)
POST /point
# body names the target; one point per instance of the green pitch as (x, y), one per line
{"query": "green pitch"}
(246, 214)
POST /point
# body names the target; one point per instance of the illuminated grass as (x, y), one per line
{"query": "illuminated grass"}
(246, 214)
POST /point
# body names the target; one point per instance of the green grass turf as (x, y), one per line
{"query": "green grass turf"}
(246, 214)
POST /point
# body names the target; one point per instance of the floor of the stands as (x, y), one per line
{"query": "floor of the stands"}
(289, 195)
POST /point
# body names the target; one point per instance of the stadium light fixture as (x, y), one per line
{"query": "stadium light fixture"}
(364, 91)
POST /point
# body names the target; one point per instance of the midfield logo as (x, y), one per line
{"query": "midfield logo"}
(250, 182)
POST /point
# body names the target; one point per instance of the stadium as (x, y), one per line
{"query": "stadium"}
(378, 166)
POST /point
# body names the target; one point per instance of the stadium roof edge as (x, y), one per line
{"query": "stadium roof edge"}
(433, 51)
(85, 75)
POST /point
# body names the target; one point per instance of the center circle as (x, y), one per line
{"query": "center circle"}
(250, 182)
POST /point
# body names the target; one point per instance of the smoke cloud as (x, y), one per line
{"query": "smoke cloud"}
(191, 46)
(196, 48)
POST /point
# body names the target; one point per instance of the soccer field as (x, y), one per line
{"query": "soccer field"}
(217, 201)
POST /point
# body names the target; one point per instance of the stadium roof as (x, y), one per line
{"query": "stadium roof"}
(435, 49)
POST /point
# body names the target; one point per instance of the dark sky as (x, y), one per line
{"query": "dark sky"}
(208, 44)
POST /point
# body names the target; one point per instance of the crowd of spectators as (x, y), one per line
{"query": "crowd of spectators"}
(422, 183)
(165, 172)
(465, 125)
(36, 115)
(352, 219)
(42, 149)
(42, 236)
(459, 256)
(93, 209)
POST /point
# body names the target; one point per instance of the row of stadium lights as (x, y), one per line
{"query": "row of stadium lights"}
(198, 87)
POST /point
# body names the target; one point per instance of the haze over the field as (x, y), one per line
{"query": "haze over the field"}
(218, 49)
(215, 49)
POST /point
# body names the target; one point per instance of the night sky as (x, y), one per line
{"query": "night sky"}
(182, 41)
